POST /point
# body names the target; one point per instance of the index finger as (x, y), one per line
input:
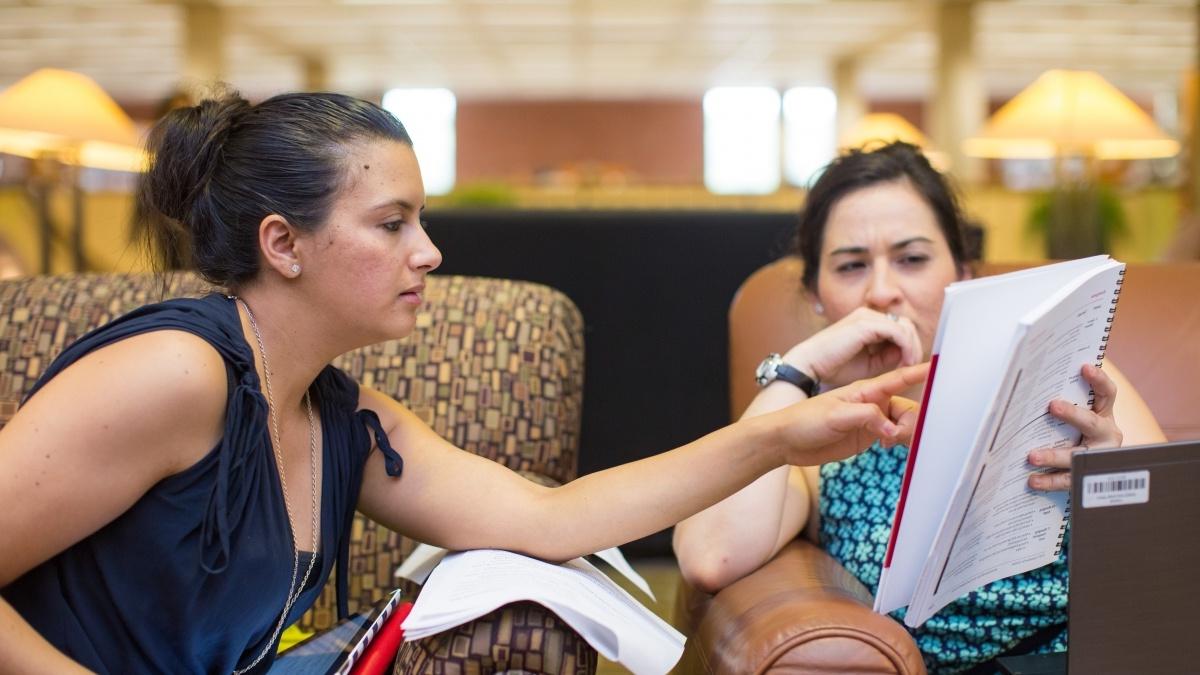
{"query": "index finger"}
(891, 383)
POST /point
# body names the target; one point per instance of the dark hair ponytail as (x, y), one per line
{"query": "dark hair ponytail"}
(220, 167)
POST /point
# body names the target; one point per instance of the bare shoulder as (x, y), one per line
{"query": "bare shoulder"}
(392, 414)
(168, 385)
(100, 435)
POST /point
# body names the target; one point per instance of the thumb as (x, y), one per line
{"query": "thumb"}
(905, 414)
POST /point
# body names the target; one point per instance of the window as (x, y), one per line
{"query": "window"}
(809, 132)
(741, 140)
(428, 115)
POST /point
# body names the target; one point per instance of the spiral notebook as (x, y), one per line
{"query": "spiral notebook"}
(1006, 346)
(335, 651)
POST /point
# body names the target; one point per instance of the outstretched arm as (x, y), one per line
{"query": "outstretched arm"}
(738, 535)
(455, 499)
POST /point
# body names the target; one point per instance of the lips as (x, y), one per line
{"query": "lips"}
(414, 294)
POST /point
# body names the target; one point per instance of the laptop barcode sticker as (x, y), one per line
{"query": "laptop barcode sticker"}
(1116, 489)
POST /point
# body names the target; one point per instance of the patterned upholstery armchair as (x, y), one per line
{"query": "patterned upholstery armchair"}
(494, 365)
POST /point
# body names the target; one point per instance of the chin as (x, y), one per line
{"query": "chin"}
(398, 328)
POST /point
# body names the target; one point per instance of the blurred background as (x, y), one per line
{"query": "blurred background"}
(610, 146)
(670, 104)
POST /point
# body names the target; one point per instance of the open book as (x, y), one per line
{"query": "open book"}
(468, 584)
(1006, 345)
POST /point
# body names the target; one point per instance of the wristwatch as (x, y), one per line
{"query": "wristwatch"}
(773, 368)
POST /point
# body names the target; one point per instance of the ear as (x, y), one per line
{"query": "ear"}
(277, 241)
(814, 302)
(965, 272)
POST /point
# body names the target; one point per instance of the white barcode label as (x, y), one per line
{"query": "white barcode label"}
(1116, 489)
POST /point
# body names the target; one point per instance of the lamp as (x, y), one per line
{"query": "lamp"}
(1071, 114)
(881, 128)
(64, 119)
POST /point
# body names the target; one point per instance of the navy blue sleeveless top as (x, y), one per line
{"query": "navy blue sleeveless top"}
(193, 577)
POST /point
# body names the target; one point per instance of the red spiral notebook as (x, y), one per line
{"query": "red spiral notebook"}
(360, 644)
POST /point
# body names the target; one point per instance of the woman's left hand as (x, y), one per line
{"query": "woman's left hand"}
(1097, 425)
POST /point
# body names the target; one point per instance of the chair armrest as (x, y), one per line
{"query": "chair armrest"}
(801, 612)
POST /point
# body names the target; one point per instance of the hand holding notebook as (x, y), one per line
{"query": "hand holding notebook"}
(1006, 346)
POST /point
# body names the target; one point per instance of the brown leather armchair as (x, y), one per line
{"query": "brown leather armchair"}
(803, 612)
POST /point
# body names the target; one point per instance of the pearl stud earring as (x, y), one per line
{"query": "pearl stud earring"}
(818, 308)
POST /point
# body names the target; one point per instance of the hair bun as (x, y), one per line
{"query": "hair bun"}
(186, 146)
(221, 166)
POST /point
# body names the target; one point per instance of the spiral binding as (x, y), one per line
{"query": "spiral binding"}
(1107, 329)
(1062, 530)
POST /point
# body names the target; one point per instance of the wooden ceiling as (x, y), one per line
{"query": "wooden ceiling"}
(594, 48)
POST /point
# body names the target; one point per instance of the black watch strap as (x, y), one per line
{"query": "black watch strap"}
(794, 376)
(774, 368)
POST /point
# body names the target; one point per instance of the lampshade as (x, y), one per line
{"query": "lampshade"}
(882, 128)
(68, 115)
(875, 129)
(1071, 112)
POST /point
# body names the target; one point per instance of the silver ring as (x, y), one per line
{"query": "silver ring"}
(893, 317)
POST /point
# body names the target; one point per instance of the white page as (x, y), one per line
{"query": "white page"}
(424, 557)
(976, 330)
(417, 566)
(616, 559)
(468, 584)
(996, 525)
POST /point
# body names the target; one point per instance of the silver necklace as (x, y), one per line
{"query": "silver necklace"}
(312, 467)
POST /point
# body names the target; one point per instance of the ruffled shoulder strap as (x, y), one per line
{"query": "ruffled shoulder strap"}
(207, 317)
(339, 394)
(339, 387)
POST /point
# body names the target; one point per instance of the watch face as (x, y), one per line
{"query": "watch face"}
(766, 371)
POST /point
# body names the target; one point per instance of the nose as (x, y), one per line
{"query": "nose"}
(882, 292)
(426, 257)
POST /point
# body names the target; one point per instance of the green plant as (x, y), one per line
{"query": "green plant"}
(482, 194)
(1078, 220)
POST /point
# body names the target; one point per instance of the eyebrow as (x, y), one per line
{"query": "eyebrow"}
(859, 250)
(402, 204)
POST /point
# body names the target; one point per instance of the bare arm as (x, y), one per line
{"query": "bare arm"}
(734, 537)
(455, 499)
(22, 650)
(90, 444)
(737, 536)
(1132, 415)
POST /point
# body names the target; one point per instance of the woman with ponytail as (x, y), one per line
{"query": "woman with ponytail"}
(180, 482)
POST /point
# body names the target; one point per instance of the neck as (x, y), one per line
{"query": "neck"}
(295, 350)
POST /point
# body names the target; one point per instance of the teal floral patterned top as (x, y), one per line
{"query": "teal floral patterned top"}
(858, 500)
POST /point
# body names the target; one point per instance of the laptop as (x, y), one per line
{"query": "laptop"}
(1134, 597)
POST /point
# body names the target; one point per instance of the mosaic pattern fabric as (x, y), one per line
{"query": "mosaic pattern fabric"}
(522, 637)
(858, 500)
(494, 365)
